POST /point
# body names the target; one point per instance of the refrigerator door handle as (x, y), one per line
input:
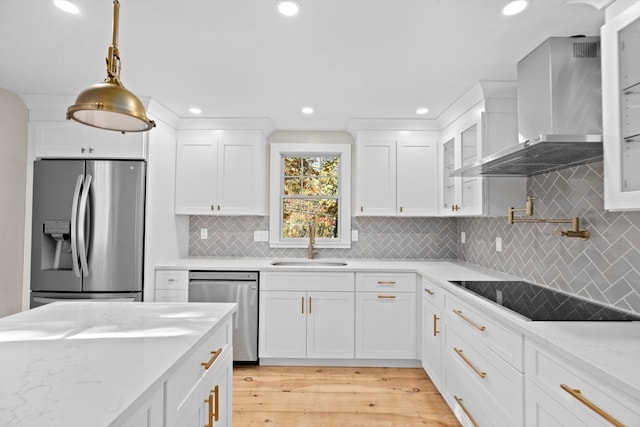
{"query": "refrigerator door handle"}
(82, 220)
(74, 226)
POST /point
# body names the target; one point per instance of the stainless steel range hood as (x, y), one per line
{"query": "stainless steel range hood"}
(559, 111)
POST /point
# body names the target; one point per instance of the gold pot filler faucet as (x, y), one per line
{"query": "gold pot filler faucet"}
(528, 210)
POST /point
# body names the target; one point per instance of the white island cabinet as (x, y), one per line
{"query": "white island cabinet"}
(117, 364)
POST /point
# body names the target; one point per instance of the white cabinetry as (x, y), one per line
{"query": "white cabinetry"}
(70, 140)
(433, 297)
(171, 286)
(150, 413)
(306, 315)
(221, 172)
(621, 109)
(482, 366)
(559, 394)
(396, 173)
(481, 123)
(385, 316)
(199, 391)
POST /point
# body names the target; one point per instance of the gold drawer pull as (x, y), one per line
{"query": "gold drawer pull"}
(578, 395)
(466, 411)
(435, 325)
(429, 291)
(480, 373)
(302, 305)
(389, 282)
(214, 406)
(474, 324)
(214, 356)
(309, 305)
(386, 297)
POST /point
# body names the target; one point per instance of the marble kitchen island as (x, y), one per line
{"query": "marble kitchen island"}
(98, 364)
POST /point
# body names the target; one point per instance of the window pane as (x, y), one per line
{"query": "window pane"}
(292, 166)
(330, 166)
(329, 186)
(297, 214)
(311, 166)
(292, 186)
(311, 186)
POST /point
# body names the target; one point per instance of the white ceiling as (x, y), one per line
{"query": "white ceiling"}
(241, 58)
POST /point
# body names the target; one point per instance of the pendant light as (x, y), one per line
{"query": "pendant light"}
(108, 105)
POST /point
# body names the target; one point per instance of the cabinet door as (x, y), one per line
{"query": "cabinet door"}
(196, 167)
(72, 140)
(541, 410)
(242, 173)
(385, 325)
(417, 175)
(376, 176)
(432, 342)
(330, 324)
(283, 324)
(471, 186)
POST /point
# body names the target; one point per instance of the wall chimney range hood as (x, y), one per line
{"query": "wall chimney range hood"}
(559, 111)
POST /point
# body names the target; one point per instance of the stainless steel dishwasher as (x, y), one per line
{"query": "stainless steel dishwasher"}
(232, 286)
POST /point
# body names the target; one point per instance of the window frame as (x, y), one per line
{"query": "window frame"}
(276, 182)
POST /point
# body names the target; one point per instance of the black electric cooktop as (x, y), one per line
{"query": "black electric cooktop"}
(536, 302)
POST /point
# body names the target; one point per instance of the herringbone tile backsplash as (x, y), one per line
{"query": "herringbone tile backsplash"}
(406, 238)
(605, 268)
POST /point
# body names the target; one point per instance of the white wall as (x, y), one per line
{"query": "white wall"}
(14, 117)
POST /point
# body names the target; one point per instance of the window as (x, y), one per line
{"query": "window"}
(310, 187)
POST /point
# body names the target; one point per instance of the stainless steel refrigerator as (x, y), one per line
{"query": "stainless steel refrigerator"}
(88, 230)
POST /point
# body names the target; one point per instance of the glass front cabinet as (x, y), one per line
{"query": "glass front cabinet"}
(621, 110)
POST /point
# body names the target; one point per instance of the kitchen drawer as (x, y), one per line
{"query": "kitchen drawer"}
(469, 321)
(171, 279)
(297, 281)
(172, 295)
(188, 377)
(550, 372)
(386, 282)
(432, 293)
(487, 374)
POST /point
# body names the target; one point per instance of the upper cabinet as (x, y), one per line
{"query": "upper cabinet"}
(221, 172)
(396, 173)
(621, 109)
(480, 123)
(67, 139)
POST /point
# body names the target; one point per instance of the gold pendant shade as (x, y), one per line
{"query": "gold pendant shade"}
(109, 105)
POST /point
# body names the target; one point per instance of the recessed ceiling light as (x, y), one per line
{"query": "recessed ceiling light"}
(67, 6)
(288, 7)
(422, 110)
(195, 110)
(514, 7)
(307, 110)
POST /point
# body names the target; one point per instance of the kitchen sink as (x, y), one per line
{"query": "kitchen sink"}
(309, 263)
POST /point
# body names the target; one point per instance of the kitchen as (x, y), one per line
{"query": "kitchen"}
(602, 269)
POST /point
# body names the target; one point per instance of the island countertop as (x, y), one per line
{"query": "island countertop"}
(85, 363)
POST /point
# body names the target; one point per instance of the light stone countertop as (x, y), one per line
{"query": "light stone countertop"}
(610, 351)
(79, 364)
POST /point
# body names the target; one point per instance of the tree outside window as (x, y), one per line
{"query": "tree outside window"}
(310, 195)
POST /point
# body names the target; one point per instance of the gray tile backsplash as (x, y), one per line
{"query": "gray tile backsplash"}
(406, 238)
(605, 268)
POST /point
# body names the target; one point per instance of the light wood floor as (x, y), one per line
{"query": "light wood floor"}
(326, 397)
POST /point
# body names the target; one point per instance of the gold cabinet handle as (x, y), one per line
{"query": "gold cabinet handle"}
(361, 208)
(218, 207)
(471, 322)
(429, 291)
(214, 406)
(401, 209)
(387, 282)
(386, 297)
(466, 411)
(578, 395)
(214, 356)
(302, 305)
(309, 305)
(480, 373)
(435, 325)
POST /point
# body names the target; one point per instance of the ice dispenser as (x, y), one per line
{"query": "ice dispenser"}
(56, 245)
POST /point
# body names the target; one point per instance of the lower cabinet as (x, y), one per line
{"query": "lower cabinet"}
(314, 321)
(560, 394)
(432, 331)
(150, 413)
(171, 286)
(386, 316)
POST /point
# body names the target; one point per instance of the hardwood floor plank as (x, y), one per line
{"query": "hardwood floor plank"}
(328, 396)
